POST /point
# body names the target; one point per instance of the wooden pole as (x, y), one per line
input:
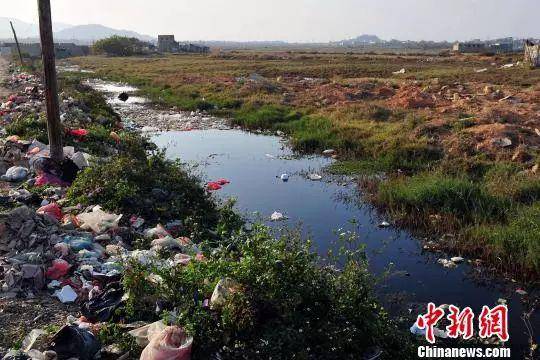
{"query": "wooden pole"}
(17, 43)
(54, 127)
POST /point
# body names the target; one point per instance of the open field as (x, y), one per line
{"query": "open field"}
(460, 147)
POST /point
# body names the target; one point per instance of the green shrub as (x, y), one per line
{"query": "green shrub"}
(119, 46)
(286, 305)
(153, 187)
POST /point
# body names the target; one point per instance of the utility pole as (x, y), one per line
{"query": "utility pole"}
(17, 43)
(54, 129)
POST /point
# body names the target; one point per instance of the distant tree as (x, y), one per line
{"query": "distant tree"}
(119, 46)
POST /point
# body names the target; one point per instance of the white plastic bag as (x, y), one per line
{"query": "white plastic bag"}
(98, 220)
(170, 344)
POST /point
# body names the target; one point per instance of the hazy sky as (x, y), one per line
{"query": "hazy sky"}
(299, 20)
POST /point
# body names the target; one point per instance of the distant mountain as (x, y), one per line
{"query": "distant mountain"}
(24, 30)
(64, 32)
(93, 32)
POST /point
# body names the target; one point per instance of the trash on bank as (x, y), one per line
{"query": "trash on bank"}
(15, 174)
(52, 210)
(172, 343)
(73, 342)
(284, 177)
(144, 334)
(66, 294)
(98, 220)
(224, 288)
(447, 263)
(277, 216)
(58, 270)
(314, 177)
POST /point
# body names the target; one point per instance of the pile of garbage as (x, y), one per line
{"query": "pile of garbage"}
(72, 254)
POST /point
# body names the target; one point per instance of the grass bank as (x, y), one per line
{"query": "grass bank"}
(432, 130)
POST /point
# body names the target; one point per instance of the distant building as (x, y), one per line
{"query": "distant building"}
(65, 50)
(167, 44)
(470, 47)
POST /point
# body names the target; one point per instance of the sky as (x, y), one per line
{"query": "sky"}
(299, 20)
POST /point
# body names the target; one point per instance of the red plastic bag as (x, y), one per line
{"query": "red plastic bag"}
(53, 210)
(80, 133)
(58, 270)
(223, 182)
(48, 179)
(170, 344)
(213, 186)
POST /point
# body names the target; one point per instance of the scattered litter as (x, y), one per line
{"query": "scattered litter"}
(213, 186)
(172, 343)
(314, 177)
(98, 220)
(224, 288)
(52, 210)
(447, 263)
(502, 142)
(49, 179)
(73, 342)
(123, 97)
(144, 334)
(15, 173)
(30, 340)
(384, 224)
(521, 292)
(284, 177)
(402, 71)
(457, 259)
(329, 152)
(66, 295)
(481, 70)
(277, 216)
(58, 270)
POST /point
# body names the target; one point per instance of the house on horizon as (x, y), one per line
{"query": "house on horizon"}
(470, 47)
(167, 44)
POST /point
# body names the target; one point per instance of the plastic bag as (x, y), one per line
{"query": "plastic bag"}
(213, 186)
(53, 210)
(171, 344)
(74, 342)
(98, 220)
(58, 270)
(80, 133)
(15, 173)
(49, 179)
(79, 242)
(223, 289)
(144, 334)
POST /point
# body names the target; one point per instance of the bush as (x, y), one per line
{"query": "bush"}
(119, 46)
(286, 305)
(153, 187)
(435, 193)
